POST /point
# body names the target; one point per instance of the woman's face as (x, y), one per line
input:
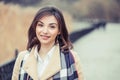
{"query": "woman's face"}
(47, 29)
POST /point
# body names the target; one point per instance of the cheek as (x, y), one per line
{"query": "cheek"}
(54, 33)
(38, 30)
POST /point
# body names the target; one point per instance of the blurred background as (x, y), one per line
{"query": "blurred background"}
(94, 28)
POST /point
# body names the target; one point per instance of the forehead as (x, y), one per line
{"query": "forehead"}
(48, 19)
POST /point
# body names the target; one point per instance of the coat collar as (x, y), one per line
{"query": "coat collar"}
(54, 65)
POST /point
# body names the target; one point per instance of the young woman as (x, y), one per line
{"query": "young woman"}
(49, 54)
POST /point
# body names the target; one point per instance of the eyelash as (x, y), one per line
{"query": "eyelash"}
(41, 25)
(52, 26)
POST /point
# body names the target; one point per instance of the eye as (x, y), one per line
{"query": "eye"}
(52, 26)
(40, 25)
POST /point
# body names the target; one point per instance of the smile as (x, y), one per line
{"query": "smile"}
(45, 37)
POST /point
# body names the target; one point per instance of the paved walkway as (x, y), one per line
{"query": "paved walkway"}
(99, 53)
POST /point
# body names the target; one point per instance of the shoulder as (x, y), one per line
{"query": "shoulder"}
(17, 64)
(77, 64)
(74, 53)
(22, 54)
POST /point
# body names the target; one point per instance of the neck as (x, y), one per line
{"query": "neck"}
(45, 48)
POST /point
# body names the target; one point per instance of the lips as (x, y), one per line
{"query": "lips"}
(45, 37)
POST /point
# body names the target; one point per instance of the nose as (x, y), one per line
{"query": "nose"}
(45, 30)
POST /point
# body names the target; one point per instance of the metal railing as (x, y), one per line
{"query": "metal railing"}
(7, 68)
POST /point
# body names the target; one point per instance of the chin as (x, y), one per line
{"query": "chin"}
(44, 42)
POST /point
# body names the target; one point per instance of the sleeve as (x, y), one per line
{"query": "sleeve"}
(16, 68)
(78, 65)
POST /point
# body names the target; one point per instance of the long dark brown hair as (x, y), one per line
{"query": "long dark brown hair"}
(62, 39)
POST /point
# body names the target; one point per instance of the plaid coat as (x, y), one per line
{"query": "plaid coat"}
(61, 67)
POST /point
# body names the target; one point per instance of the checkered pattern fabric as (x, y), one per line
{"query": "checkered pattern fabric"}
(68, 71)
(23, 75)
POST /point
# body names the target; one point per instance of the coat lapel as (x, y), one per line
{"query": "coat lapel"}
(30, 65)
(53, 66)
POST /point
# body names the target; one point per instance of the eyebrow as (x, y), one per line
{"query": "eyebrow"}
(53, 24)
(50, 23)
(40, 22)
